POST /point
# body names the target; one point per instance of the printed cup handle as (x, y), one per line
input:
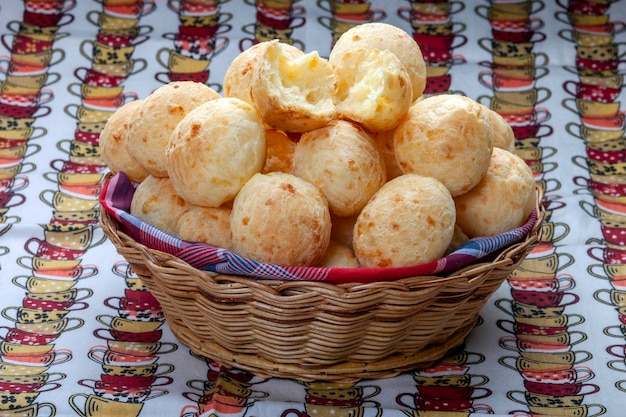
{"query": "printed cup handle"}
(506, 325)
(82, 49)
(505, 305)
(598, 295)
(160, 60)
(44, 194)
(79, 410)
(79, 323)
(28, 243)
(138, 68)
(517, 396)
(89, 383)
(616, 331)
(96, 354)
(504, 361)
(46, 406)
(17, 281)
(6, 315)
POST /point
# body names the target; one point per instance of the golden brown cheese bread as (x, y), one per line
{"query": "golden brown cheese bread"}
(294, 94)
(280, 149)
(281, 219)
(373, 88)
(458, 238)
(113, 143)
(156, 202)
(238, 76)
(384, 142)
(342, 229)
(502, 200)
(409, 221)
(338, 256)
(377, 35)
(154, 121)
(210, 225)
(343, 161)
(448, 137)
(214, 150)
(503, 136)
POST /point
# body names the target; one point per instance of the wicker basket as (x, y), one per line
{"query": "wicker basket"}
(310, 330)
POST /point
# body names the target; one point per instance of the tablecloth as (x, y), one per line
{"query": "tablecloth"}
(79, 337)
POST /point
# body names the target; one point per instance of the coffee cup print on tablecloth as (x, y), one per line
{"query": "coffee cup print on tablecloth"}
(613, 273)
(125, 271)
(438, 35)
(449, 386)
(92, 405)
(48, 13)
(274, 20)
(344, 15)
(129, 10)
(202, 35)
(131, 372)
(77, 185)
(226, 389)
(223, 394)
(180, 67)
(506, 49)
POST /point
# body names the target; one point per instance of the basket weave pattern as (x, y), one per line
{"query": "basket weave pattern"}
(311, 330)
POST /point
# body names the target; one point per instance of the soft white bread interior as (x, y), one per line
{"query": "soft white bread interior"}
(373, 88)
(378, 35)
(238, 76)
(294, 94)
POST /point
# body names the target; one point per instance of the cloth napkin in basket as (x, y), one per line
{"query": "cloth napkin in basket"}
(118, 192)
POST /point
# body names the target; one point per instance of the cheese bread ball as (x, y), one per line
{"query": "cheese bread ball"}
(214, 150)
(280, 149)
(503, 136)
(384, 142)
(113, 139)
(343, 161)
(154, 121)
(373, 88)
(338, 256)
(294, 94)
(342, 229)
(280, 219)
(409, 221)
(459, 238)
(448, 137)
(238, 76)
(502, 200)
(210, 225)
(377, 35)
(156, 202)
